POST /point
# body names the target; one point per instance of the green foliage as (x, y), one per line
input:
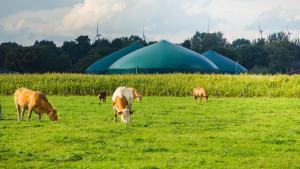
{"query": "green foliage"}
(166, 132)
(276, 54)
(186, 44)
(202, 42)
(240, 42)
(156, 85)
(252, 55)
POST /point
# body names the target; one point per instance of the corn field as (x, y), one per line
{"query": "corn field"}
(156, 85)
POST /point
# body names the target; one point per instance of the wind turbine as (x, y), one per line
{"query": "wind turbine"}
(208, 27)
(144, 37)
(98, 35)
(289, 33)
(260, 31)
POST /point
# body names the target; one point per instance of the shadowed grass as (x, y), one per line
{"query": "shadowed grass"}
(166, 132)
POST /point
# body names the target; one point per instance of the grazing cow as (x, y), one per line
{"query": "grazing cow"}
(122, 100)
(136, 95)
(33, 101)
(200, 92)
(102, 96)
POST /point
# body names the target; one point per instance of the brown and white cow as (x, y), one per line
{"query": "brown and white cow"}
(200, 92)
(33, 101)
(122, 101)
(136, 94)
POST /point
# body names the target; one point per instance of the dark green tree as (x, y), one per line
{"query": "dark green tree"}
(239, 43)
(282, 55)
(202, 42)
(83, 45)
(186, 44)
(251, 55)
(51, 58)
(70, 47)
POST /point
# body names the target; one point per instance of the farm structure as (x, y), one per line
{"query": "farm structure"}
(164, 57)
(225, 65)
(101, 66)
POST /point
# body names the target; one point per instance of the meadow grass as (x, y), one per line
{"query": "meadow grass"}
(166, 132)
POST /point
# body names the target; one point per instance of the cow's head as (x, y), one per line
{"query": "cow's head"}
(206, 98)
(139, 98)
(125, 115)
(120, 104)
(53, 115)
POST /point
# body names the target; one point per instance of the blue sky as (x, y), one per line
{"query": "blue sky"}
(25, 21)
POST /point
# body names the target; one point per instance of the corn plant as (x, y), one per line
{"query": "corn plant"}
(156, 84)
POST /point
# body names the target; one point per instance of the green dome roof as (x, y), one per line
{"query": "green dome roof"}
(225, 64)
(163, 57)
(102, 64)
(3, 70)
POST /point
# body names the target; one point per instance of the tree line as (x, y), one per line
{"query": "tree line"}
(275, 54)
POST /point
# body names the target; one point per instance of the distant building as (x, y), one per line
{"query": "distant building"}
(3, 71)
(225, 64)
(294, 72)
(163, 57)
(101, 66)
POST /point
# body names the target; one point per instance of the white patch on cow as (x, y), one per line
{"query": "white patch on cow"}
(123, 91)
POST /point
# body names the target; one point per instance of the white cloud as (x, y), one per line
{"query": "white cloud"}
(174, 20)
(85, 14)
(40, 22)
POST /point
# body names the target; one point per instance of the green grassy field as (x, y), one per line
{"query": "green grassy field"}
(166, 132)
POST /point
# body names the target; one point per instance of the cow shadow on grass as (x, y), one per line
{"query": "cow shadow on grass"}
(67, 158)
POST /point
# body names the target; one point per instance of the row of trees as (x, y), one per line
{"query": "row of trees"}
(72, 56)
(276, 54)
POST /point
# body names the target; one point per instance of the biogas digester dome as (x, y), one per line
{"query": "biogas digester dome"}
(102, 64)
(163, 57)
(4, 71)
(224, 64)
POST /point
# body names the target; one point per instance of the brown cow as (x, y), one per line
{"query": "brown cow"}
(102, 96)
(136, 95)
(33, 101)
(200, 92)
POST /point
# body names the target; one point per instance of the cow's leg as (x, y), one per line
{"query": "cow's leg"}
(200, 98)
(195, 97)
(29, 113)
(122, 118)
(40, 116)
(130, 111)
(130, 108)
(18, 112)
(22, 114)
(116, 115)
